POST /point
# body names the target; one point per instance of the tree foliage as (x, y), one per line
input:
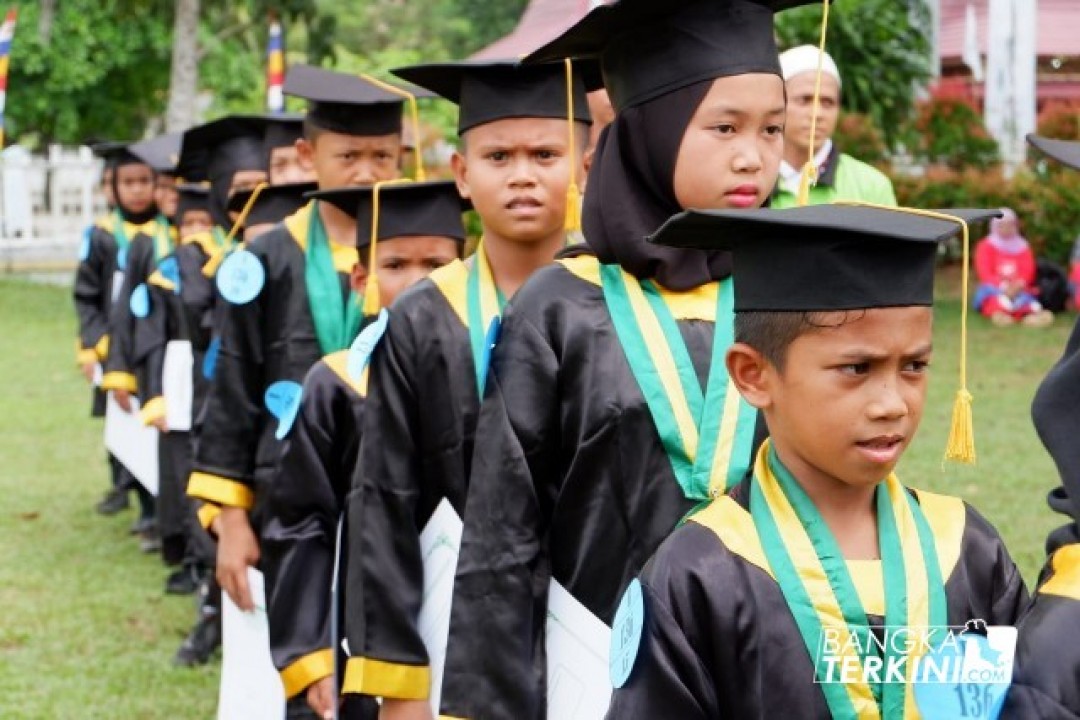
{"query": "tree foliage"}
(881, 48)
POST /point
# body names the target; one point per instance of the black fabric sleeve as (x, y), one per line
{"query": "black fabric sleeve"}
(93, 287)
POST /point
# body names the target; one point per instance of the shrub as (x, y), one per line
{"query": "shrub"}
(1060, 119)
(949, 131)
(858, 136)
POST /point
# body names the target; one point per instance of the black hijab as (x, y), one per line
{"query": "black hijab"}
(631, 192)
(135, 218)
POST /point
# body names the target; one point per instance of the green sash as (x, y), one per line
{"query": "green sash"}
(708, 436)
(485, 304)
(337, 321)
(817, 585)
(163, 244)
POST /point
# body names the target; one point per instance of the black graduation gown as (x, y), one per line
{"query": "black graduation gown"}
(269, 339)
(95, 277)
(570, 481)
(1046, 676)
(306, 500)
(418, 442)
(124, 367)
(720, 642)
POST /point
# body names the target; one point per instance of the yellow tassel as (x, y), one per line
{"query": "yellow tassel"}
(961, 445)
(807, 179)
(371, 296)
(573, 208)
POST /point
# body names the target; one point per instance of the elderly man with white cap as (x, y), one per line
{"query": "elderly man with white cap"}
(840, 176)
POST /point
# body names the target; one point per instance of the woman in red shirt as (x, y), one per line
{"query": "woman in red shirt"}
(1005, 266)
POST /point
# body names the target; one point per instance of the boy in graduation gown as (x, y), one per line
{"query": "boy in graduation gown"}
(288, 303)
(522, 147)
(587, 460)
(1046, 681)
(284, 164)
(833, 331)
(419, 230)
(97, 280)
(105, 262)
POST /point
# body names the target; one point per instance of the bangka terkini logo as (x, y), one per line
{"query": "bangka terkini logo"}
(956, 671)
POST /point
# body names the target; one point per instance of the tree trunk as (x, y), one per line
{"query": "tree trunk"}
(184, 77)
(46, 14)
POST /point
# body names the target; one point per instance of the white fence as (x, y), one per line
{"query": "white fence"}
(45, 203)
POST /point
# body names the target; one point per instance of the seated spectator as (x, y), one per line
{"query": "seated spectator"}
(1005, 266)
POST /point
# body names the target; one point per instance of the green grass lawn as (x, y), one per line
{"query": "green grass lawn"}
(87, 632)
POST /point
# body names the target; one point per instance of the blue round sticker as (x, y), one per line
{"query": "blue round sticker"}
(283, 402)
(210, 359)
(626, 634)
(966, 676)
(364, 344)
(121, 258)
(490, 340)
(241, 277)
(84, 246)
(139, 303)
(170, 270)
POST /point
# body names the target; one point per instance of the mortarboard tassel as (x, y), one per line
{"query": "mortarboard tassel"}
(372, 304)
(960, 446)
(414, 118)
(573, 193)
(808, 177)
(245, 211)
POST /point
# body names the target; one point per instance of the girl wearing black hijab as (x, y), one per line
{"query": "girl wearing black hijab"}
(609, 415)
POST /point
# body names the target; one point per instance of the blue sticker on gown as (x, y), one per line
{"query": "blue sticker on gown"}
(84, 246)
(241, 277)
(121, 258)
(170, 270)
(967, 675)
(364, 344)
(283, 402)
(139, 302)
(626, 634)
(490, 340)
(210, 359)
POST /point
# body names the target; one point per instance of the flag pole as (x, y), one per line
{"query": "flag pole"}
(7, 32)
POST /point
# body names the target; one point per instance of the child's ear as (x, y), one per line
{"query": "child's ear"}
(305, 153)
(457, 164)
(752, 374)
(358, 278)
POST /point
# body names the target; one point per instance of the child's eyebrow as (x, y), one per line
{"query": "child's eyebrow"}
(737, 112)
(868, 354)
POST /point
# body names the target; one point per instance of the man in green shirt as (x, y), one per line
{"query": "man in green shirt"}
(840, 176)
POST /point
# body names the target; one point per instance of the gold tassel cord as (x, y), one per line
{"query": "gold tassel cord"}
(414, 117)
(961, 443)
(244, 212)
(372, 304)
(808, 177)
(573, 192)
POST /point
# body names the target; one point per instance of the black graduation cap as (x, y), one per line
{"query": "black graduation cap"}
(1064, 151)
(647, 48)
(221, 147)
(193, 196)
(344, 103)
(405, 209)
(282, 131)
(487, 90)
(115, 153)
(273, 204)
(822, 257)
(161, 153)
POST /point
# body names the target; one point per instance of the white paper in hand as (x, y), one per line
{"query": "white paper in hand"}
(439, 545)
(250, 686)
(578, 645)
(132, 443)
(177, 385)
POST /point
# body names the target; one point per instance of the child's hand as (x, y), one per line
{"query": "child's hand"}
(123, 399)
(238, 549)
(160, 424)
(405, 710)
(322, 698)
(89, 370)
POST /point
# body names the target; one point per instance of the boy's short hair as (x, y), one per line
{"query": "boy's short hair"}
(771, 333)
(312, 130)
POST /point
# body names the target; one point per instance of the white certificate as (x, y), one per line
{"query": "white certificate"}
(132, 443)
(250, 685)
(578, 647)
(177, 385)
(440, 542)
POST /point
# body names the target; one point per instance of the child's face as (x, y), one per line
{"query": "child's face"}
(340, 161)
(731, 150)
(850, 397)
(135, 187)
(107, 186)
(243, 180)
(194, 222)
(166, 196)
(516, 172)
(286, 168)
(401, 262)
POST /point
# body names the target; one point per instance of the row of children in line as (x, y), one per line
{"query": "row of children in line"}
(576, 413)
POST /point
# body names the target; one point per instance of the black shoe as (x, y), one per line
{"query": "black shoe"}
(181, 582)
(143, 525)
(150, 541)
(114, 501)
(201, 643)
